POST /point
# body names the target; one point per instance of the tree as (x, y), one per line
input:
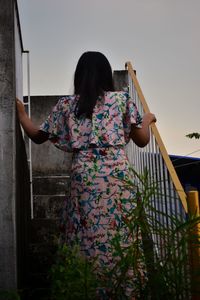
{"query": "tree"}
(195, 135)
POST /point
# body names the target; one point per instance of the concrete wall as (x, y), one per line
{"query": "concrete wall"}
(46, 158)
(121, 80)
(8, 266)
(14, 190)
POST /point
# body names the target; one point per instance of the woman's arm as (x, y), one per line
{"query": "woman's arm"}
(141, 136)
(33, 132)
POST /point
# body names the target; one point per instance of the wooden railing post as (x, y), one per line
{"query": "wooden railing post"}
(194, 249)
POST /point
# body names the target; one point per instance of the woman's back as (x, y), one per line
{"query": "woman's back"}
(110, 124)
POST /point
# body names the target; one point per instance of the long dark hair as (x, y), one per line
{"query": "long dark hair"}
(93, 76)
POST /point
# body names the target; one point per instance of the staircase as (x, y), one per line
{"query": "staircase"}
(48, 194)
(51, 169)
(50, 179)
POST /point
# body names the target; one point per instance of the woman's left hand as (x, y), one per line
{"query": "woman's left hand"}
(20, 107)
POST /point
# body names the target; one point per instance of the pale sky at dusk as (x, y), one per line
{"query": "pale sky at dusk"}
(160, 37)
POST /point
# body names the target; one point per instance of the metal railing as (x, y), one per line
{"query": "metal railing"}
(27, 140)
(168, 203)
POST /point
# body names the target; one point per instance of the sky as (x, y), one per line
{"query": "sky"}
(160, 37)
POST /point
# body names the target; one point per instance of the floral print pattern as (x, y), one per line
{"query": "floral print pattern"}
(99, 200)
(98, 197)
(110, 125)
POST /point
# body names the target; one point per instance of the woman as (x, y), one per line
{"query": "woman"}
(95, 124)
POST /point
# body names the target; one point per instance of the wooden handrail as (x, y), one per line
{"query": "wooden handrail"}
(159, 141)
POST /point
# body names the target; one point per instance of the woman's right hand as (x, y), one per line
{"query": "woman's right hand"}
(149, 118)
(141, 136)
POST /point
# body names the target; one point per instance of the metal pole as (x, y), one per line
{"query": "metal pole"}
(29, 140)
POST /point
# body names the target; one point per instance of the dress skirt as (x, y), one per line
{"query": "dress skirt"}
(98, 201)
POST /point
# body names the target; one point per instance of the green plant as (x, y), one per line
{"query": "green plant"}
(154, 275)
(195, 135)
(153, 265)
(72, 275)
(9, 295)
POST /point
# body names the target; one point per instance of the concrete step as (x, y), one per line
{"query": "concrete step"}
(50, 185)
(43, 243)
(48, 206)
(45, 231)
(49, 195)
(41, 257)
(39, 287)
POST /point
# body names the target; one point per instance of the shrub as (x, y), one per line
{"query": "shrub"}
(141, 270)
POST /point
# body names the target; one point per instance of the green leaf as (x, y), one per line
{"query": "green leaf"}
(195, 135)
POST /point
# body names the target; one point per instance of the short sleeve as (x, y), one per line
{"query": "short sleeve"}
(131, 117)
(56, 125)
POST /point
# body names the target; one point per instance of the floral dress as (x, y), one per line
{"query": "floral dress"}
(93, 212)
